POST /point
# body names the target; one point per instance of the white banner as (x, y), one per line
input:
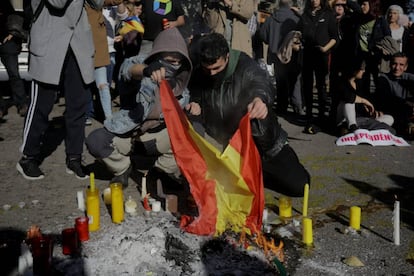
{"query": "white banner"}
(381, 137)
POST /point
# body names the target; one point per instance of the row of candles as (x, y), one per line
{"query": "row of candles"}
(285, 211)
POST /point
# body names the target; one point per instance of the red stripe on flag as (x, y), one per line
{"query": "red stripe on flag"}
(242, 141)
(191, 163)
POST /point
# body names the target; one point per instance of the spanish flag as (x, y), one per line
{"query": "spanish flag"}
(132, 23)
(227, 186)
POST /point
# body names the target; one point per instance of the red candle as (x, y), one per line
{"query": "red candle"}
(81, 226)
(69, 241)
(42, 252)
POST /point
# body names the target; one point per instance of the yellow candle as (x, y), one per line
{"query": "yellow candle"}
(92, 204)
(285, 207)
(117, 200)
(307, 234)
(305, 201)
(355, 217)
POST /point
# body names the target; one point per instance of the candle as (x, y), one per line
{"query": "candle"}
(107, 196)
(131, 206)
(69, 241)
(307, 235)
(305, 201)
(81, 200)
(171, 203)
(355, 217)
(156, 206)
(265, 215)
(143, 186)
(117, 201)
(396, 222)
(81, 226)
(285, 207)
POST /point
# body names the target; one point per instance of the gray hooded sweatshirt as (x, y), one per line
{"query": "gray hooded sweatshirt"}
(148, 113)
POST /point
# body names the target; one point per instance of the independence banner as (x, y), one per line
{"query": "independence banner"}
(227, 187)
(380, 137)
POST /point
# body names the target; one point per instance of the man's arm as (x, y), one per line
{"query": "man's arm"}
(242, 9)
(177, 23)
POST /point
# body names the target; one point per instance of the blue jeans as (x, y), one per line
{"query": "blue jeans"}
(110, 68)
(104, 93)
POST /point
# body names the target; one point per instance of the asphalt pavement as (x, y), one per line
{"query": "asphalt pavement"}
(342, 176)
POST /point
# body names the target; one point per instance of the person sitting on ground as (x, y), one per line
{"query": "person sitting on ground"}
(355, 111)
(142, 132)
(227, 84)
(395, 92)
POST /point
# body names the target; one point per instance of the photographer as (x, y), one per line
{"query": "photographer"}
(229, 18)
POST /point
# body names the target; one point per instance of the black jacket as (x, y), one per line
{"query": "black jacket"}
(318, 30)
(275, 29)
(224, 104)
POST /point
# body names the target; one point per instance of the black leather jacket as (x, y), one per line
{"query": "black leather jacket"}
(224, 104)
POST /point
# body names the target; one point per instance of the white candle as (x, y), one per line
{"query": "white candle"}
(81, 200)
(265, 215)
(396, 222)
(156, 206)
(143, 186)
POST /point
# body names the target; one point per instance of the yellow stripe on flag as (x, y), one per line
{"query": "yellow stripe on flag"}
(227, 188)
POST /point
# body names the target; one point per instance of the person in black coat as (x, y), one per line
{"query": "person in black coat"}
(12, 35)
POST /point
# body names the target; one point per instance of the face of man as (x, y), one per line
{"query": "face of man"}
(216, 71)
(217, 67)
(398, 66)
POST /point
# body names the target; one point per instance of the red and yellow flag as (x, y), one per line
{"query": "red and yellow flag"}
(227, 187)
(132, 23)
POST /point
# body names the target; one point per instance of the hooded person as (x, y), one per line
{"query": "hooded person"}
(278, 28)
(141, 131)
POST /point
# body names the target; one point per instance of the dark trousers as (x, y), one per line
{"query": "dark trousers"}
(286, 80)
(9, 58)
(315, 63)
(43, 97)
(285, 174)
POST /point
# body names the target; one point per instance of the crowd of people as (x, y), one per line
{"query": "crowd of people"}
(338, 38)
(355, 54)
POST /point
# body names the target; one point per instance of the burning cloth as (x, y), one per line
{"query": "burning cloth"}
(227, 187)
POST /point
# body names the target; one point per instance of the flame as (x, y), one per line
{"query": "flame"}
(33, 232)
(269, 247)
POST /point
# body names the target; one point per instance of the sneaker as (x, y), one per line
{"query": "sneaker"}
(353, 127)
(74, 166)
(311, 129)
(88, 122)
(29, 168)
(122, 178)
